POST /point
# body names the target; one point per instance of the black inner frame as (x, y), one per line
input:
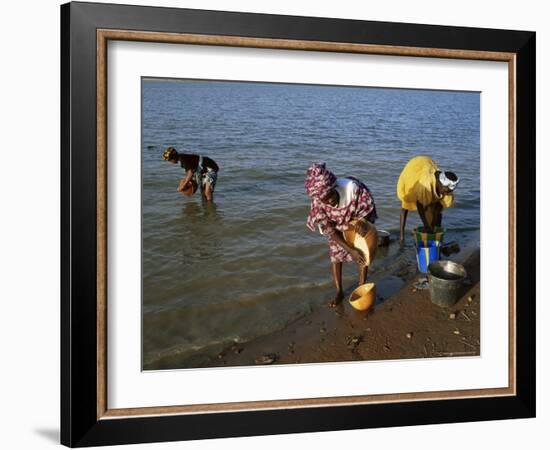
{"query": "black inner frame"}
(79, 424)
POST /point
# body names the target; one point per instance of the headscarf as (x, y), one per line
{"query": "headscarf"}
(446, 179)
(319, 181)
(169, 153)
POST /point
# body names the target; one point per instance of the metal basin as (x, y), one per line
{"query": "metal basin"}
(383, 238)
(446, 282)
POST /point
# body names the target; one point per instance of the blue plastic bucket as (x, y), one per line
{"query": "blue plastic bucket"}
(427, 252)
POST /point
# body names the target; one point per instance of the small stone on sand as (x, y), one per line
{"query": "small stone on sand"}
(456, 332)
(353, 341)
(452, 316)
(409, 335)
(266, 359)
(470, 298)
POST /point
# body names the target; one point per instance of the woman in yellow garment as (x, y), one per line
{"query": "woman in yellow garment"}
(423, 187)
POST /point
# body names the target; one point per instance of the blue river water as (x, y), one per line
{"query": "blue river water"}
(246, 265)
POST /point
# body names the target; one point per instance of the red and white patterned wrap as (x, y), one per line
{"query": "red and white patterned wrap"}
(328, 219)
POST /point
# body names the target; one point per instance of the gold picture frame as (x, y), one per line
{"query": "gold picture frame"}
(199, 28)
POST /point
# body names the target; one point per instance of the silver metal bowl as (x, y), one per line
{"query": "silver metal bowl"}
(383, 238)
(446, 282)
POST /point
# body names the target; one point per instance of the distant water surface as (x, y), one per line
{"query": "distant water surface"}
(246, 264)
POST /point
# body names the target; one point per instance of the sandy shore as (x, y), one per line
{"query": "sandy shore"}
(406, 325)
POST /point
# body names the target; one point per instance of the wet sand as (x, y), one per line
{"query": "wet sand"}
(406, 325)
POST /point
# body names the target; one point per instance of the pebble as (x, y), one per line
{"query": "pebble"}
(456, 332)
(409, 335)
(353, 341)
(322, 330)
(450, 248)
(470, 298)
(452, 316)
(421, 284)
(270, 358)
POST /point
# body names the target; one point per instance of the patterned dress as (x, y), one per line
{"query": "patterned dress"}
(356, 202)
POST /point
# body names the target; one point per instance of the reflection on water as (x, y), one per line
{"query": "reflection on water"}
(204, 213)
(245, 264)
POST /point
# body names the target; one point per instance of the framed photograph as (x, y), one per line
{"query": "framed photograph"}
(277, 224)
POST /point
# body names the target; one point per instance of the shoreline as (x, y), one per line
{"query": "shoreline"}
(406, 325)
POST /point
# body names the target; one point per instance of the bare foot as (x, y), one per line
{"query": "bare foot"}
(337, 300)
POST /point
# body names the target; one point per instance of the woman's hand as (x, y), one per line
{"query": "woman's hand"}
(183, 184)
(184, 181)
(355, 253)
(358, 256)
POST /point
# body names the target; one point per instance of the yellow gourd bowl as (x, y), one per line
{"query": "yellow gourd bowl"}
(367, 244)
(363, 297)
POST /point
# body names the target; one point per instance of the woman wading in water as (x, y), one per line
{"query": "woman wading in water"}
(335, 203)
(200, 172)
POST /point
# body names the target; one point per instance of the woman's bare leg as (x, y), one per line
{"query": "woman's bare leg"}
(363, 270)
(337, 277)
(208, 193)
(402, 223)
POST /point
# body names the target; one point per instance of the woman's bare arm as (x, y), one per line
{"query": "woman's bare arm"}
(422, 214)
(355, 253)
(185, 180)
